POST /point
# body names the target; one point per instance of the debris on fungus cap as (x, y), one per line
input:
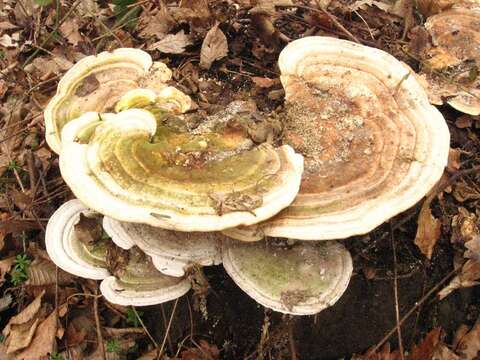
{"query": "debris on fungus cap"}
(66, 249)
(135, 281)
(172, 252)
(141, 284)
(96, 83)
(373, 146)
(135, 167)
(451, 70)
(300, 279)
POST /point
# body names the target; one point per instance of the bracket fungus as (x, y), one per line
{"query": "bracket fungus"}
(128, 277)
(96, 83)
(301, 279)
(136, 167)
(454, 58)
(373, 145)
(172, 252)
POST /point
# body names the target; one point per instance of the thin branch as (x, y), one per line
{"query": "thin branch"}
(395, 293)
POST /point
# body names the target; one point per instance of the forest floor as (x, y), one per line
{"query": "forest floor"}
(41, 39)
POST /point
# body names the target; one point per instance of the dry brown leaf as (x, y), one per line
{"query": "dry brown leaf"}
(264, 82)
(442, 352)
(43, 272)
(157, 25)
(173, 43)
(384, 353)
(43, 342)
(469, 345)
(469, 276)
(454, 160)
(28, 313)
(5, 265)
(427, 346)
(21, 336)
(214, 47)
(70, 30)
(428, 230)
(432, 7)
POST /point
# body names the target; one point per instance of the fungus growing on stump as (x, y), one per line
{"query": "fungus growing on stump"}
(373, 145)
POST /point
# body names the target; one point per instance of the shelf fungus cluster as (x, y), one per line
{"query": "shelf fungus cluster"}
(451, 60)
(162, 193)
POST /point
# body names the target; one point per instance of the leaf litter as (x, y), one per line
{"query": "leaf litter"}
(221, 51)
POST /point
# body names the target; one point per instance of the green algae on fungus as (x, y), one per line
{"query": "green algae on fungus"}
(303, 278)
(137, 168)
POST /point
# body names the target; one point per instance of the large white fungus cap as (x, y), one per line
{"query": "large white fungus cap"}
(66, 250)
(132, 167)
(302, 279)
(172, 252)
(139, 283)
(373, 145)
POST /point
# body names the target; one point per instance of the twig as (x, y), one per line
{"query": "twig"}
(97, 325)
(395, 293)
(291, 338)
(114, 332)
(168, 329)
(412, 310)
(144, 327)
(50, 36)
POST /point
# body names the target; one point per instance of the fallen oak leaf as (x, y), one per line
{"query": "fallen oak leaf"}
(21, 328)
(469, 345)
(214, 47)
(469, 276)
(428, 230)
(172, 43)
(43, 342)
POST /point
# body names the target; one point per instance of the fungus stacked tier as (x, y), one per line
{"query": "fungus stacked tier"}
(360, 143)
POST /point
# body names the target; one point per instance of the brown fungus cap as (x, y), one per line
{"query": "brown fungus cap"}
(451, 64)
(373, 145)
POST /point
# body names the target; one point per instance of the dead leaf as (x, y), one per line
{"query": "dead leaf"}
(454, 160)
(5, 266)
(70, 30)
(43, 272)
(469, 345)
(428, 230)
(21, 336)
(28, 313)
(5, 302)
(87, 86)
(426, 348)
(432, 7)
(214, 47)
(264, 82)
(469, 276)
(43, 342)
(88, 230)
(173, 43)
(157, 25)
